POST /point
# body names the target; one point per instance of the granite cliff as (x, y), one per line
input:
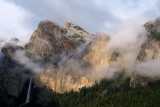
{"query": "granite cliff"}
(62, 59)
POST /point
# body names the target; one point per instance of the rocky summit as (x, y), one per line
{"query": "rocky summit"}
(61, 59)
(46, 46)
(52, 39)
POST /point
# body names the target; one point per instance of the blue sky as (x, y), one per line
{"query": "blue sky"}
(19, 18)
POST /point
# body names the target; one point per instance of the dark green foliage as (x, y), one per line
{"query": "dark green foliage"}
(115, 92)
(110, 93)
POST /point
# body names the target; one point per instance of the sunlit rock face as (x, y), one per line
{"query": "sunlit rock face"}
(53, 41)
(61, 81)
(50, 39)
(98, 56)
(76, 34)
(151, 48)
(66, 78)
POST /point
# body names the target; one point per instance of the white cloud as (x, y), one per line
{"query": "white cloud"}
(87, 14)
(12, 21)
(21, 17)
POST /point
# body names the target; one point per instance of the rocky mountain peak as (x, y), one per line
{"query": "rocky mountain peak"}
(48, 28)
(50, 39)
(70, 25)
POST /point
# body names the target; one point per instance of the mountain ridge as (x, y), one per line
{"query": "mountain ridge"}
(62, 59)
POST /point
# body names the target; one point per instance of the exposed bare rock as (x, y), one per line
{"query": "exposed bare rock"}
(61, 81)
(76, 34)
(13, 82)
(98, 56)
(137, 80)
(150, 50)
(51, 39)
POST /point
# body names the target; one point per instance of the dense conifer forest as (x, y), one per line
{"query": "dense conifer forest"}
(109, 93)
